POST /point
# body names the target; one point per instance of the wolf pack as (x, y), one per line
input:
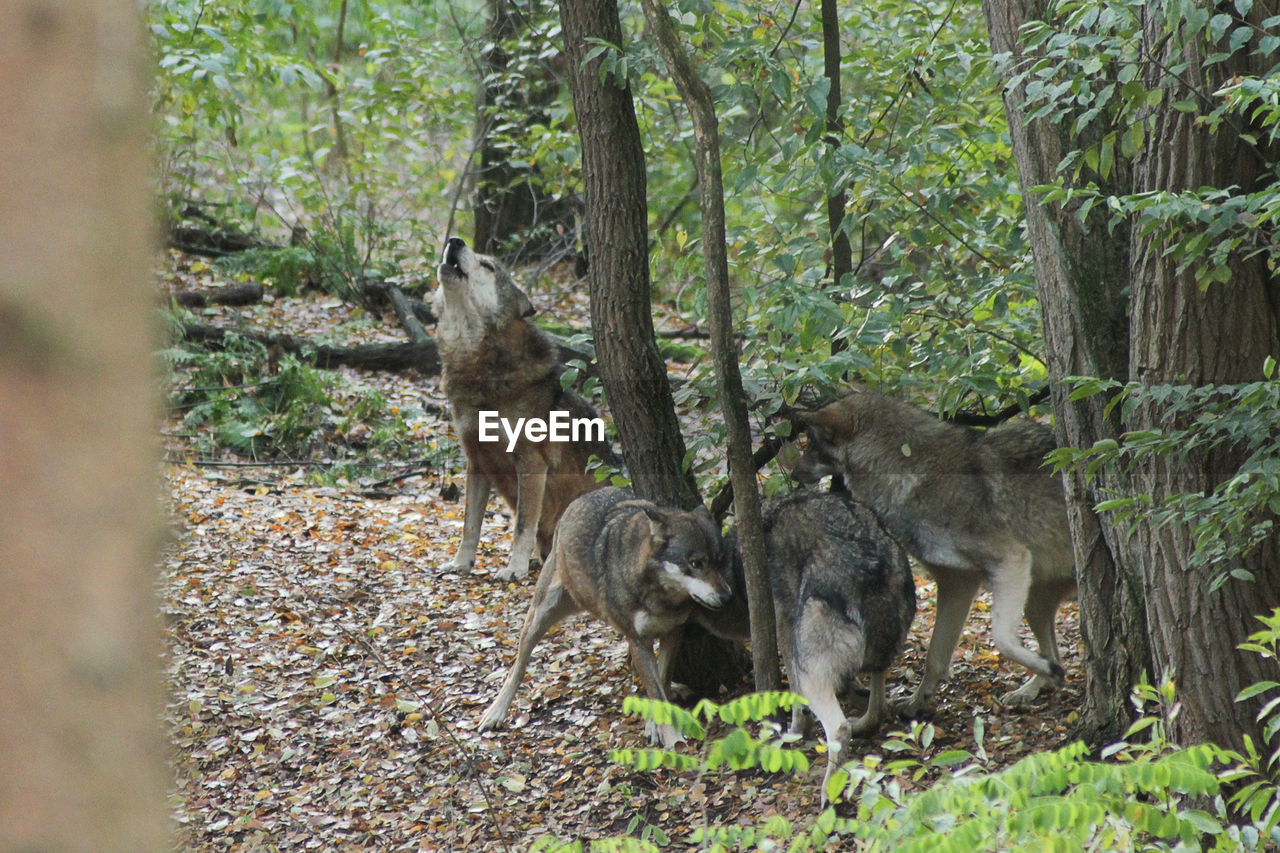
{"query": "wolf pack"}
(972, 507)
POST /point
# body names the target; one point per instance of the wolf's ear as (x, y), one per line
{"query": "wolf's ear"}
(658, 520)
(524, 308)
(819, 424)
(704, 519)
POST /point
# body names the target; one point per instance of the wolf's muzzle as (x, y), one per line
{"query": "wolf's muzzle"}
(453, 249)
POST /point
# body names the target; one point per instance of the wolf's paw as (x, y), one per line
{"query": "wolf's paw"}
(513, 573)
(913, 706)
(459, 563)
(863, 726)
(492, 718)
(665, 735)
(1027, 693)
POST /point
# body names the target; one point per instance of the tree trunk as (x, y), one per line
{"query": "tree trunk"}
(613, 170)
(742, 469)
(1115, 306)
(631, 368)
(841, 251)
(1082, 276)
(82, 763)
(1182, 334)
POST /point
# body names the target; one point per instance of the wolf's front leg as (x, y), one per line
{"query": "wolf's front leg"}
(956, 589)
(530, 489)
(642, 658)
(473, 516)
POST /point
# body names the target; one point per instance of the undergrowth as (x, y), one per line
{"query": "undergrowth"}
(244, 400)
(1141, 793)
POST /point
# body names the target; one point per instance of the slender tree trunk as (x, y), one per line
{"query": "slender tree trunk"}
(742, 469)
(1082, 275)
(841, 251)
(613, 169)
(81, 753)
(1182, 334)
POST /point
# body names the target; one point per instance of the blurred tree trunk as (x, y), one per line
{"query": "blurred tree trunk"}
(82, 763)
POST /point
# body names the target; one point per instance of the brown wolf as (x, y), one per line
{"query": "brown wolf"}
(973, 506)
(636, 566)
(495, 360)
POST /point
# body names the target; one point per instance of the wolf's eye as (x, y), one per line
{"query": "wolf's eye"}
(696, 563)
(487, 265)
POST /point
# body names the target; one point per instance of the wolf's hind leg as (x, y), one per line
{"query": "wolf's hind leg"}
(820, 689)
(551, 604)
(1042, 607)
(956, 589)
(1010, 581)
(877, 710)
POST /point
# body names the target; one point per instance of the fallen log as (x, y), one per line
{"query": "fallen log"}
(246, 293)
(393, 357)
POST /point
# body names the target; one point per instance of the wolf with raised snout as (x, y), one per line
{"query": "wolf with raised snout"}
(494, 359)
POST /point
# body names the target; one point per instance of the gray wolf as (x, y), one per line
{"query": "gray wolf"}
(843, 597)
(634, 565)
(493, 359)
(973, 506)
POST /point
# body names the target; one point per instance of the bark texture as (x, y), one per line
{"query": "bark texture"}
(1114, 306)
(631, 369)
(82, 764)
(613, 169)
(511, 200)
(1082, 276)
(1181, 334)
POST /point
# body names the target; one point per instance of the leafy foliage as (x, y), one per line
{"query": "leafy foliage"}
(1097, 65)
(1239, 513)
(1255, 779)
(266, 112)
(1142, 791)
(239, 398)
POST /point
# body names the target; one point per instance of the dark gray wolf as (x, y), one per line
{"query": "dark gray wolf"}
(973, 506)
(844, 598)
(494, 359)
(636, 566)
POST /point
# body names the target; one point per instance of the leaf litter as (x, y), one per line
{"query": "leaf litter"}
(325, 675)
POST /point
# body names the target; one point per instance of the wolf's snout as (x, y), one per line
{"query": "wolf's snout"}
(453, 249)
(715, 597)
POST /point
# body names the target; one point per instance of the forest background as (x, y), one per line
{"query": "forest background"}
(961, 204)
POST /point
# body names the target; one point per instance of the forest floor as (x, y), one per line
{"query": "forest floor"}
(325, 675)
